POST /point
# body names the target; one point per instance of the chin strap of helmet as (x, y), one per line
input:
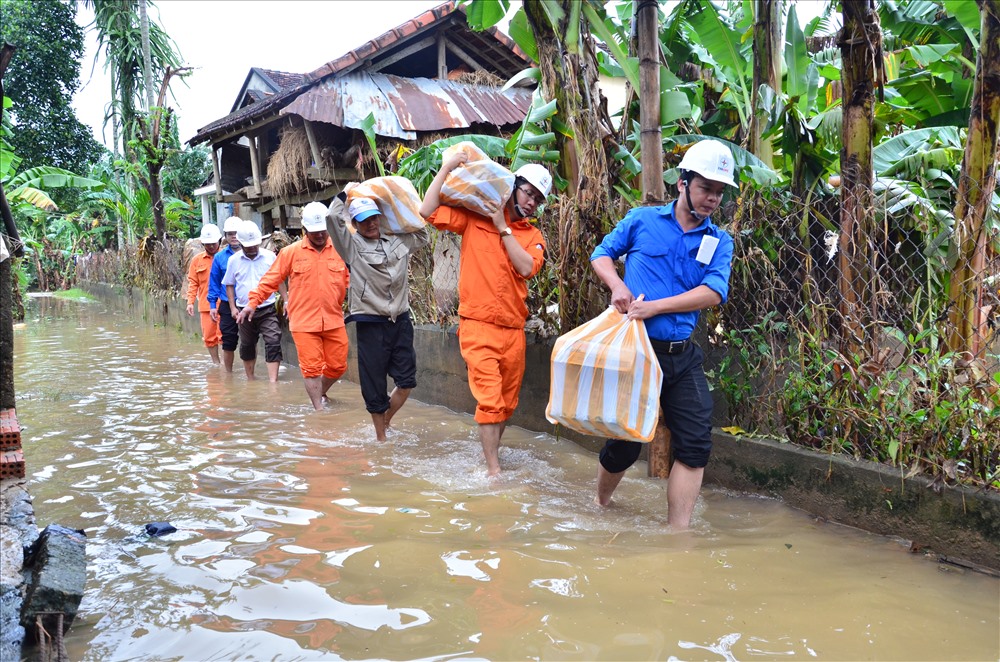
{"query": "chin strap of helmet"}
(688, 176)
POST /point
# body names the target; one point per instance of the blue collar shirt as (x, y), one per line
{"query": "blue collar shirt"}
(660, 261)
(216, 291)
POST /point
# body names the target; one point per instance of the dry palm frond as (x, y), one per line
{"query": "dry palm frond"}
(481, 77)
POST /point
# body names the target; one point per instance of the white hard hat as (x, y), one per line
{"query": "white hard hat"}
(232, 224)
(248, 234)
(210, 234)
(363, 208)
(314, 217)
(710, 159)
(538, 176)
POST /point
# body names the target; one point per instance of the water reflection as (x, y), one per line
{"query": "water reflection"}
(301, 538)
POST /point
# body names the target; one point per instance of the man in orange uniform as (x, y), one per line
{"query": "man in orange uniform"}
(198, 272)
(498, 256)
(317, 284)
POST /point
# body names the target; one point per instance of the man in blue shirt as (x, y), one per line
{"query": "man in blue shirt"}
(217, 292)
(677, 263)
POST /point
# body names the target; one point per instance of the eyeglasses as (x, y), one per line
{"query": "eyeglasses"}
(539, 199)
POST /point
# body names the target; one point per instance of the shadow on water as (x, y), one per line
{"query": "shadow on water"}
(301, 538)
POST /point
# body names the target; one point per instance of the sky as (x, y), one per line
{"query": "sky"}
(222, 40)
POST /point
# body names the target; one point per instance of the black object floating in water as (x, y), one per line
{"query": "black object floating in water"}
(160, 528)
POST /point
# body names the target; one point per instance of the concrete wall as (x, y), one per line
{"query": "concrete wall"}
(956, 524)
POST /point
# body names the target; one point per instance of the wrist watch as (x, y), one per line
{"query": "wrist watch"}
(506, 232)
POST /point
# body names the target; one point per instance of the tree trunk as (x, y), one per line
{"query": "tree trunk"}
(975, 189)
(861, 50)
(114, 148)
(147, 58)
(569, 75)
(767, 43)
(156, 200)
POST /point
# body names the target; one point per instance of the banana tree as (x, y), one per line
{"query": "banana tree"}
(976, 192)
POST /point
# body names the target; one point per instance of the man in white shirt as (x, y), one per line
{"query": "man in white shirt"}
(243, 272)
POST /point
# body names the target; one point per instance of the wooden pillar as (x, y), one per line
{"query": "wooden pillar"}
(650, 139)
(282, 217)
(442, 46)
(313, 144)
(206, 212)
(267, 222)
(255, 164)
(217, 172)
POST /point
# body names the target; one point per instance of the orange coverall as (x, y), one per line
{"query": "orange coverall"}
(317, 285)
(491, 307)
(198, 272)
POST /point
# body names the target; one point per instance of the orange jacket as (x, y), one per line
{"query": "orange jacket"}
(489, 289)
(198, 272)
(317, 285)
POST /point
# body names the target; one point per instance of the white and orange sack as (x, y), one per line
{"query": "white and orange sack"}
(479, 185)
(397, 200)
(606, 379)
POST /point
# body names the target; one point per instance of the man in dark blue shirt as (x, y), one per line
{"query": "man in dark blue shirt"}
(677, 263)
(217, 292)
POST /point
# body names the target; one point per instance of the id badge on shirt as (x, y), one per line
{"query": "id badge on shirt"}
(707, 249)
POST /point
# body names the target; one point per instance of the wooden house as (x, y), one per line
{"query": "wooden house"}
(294, 138)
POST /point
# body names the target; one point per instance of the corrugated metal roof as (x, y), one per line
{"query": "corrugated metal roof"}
(502, 53)
(403, 106)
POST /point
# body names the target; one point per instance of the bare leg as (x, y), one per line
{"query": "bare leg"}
(314, 389)
(682, 493)
(327, 383)
(272, 370)
(396, 400)
(213, 351)
(379, 421)
(248, 367)
(606, 484)
(489, 437)
(227, 359)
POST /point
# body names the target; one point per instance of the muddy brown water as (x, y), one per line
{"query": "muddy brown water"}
(301, 538)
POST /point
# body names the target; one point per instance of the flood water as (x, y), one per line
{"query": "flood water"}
(301, 538)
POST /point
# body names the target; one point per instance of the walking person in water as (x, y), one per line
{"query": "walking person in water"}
(198, 276)
(218, 300)
(244, 271)
(317, 284)
(677, 264)
(379, 303)
(498, 257)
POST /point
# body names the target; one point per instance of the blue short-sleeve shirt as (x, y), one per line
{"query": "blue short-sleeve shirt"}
(660, 261)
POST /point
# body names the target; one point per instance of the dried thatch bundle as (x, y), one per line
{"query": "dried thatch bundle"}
(481, 77)
(286, 170)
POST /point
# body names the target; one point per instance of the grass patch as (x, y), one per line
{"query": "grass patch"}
(76, 294)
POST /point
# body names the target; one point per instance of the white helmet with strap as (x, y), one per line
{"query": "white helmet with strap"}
(537, 175)
(712, 160)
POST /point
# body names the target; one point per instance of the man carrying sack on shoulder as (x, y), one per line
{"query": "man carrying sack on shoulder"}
(498, 256)
(677, 264)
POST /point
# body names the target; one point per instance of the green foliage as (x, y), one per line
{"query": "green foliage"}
(41, 80)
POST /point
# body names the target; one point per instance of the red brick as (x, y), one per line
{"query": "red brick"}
(12, 464)
(10, 431)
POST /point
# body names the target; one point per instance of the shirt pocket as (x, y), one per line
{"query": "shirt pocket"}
(484, 240)
(301, 266)
(373, 258)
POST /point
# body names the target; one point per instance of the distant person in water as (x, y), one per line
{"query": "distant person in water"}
(317, 284)
(198, 275)
(218, 300)
(243, 273)
(379, 303)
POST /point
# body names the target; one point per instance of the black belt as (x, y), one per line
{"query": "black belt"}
(670, 346)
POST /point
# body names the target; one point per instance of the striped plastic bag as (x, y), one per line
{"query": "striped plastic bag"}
(606, 379)
(396, 198)
(479, 185)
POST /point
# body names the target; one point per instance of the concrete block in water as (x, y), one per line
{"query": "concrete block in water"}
(56, 566)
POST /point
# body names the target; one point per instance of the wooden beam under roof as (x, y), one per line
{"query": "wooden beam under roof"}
(427, 42)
